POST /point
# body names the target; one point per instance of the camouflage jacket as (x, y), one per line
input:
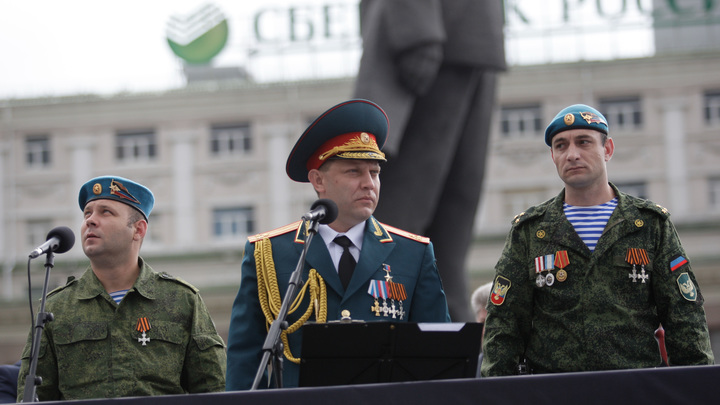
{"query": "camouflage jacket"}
(604, 312)
(95, 348)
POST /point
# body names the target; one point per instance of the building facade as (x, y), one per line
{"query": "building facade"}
(214, 155)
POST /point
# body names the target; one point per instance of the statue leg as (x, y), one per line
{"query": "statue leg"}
(453, 222)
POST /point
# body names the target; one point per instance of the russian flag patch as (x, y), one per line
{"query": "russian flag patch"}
(677, 262)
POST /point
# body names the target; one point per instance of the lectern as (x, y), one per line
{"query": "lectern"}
(378, 352)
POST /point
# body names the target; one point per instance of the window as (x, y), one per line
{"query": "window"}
(37, 231)
(520, 121)
(37, 151)
(638, 189)
(135, 146)
(230, 140)
(712, 108)
(714, 192)
(154, 234)
(622, 113)
(233, 223)
(517, 201)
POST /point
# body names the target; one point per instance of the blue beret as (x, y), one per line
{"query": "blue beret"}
(120, 189)
(575, 117)
(354, 129)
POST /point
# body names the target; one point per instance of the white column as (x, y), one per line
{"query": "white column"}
(279, 191)
(82, 167)
(675, 154)
(184, 187)
(7, 248)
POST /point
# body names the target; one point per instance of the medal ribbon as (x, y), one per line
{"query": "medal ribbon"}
(373, 289)
(543, 263)
(397, 291)
(378, 289)
(561, 259)
(549, 262)
(382, 289)
(637, 256)
(143, 325)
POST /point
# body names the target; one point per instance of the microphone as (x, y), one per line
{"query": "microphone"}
(59, 240)
(323, 210)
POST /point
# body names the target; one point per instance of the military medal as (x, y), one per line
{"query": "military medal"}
(388, 278)
(397, 292)
(637, 256)
(539, 268)
(544, 263)
(386, 269)
(561, 261)
(549, 279)
(378, 289)
(143, 325)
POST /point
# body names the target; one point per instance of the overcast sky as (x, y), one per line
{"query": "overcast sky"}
(61, 47)
(52, 47)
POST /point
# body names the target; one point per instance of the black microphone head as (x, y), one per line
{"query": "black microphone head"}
(331, 210)
(65, 236)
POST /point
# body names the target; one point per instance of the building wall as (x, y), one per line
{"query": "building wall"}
(675, 153)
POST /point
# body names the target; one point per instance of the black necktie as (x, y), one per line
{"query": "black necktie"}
(347, 261)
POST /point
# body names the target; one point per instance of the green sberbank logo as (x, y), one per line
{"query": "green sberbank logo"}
(199, 36)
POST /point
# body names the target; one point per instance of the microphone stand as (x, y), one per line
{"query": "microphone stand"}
(273, 346)
(32, 381)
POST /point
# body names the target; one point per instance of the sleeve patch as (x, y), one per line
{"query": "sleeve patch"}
(500, 290)
(677, 262)
(687, 287)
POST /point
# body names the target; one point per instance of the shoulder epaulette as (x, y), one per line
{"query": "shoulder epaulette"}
(406, 234)
(69, 282)
(275, 232)
(166, 276)
(532, 212)
(649, 205)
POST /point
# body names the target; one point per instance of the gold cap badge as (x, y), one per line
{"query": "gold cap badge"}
(97, 189)
(569, 119)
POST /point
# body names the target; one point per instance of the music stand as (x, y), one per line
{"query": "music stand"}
(380, 352)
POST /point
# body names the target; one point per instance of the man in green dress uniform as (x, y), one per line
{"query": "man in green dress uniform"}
(395, 277)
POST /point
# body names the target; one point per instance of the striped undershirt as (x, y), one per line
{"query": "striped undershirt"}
(589, 222)
(118, 296)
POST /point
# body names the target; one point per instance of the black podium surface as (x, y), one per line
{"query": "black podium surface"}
(384, 352)
(670, 385)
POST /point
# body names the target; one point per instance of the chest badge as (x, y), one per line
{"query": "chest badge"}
(637, 256)
(143, 325)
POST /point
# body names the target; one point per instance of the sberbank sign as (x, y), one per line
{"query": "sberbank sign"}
(332, 21)
(200, 36)
(674, 12)
(298, 24)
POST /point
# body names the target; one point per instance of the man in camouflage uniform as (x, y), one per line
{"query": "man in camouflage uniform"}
(559, 306)
(122, 329)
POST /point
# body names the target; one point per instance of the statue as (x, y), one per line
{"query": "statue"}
(432, 65)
